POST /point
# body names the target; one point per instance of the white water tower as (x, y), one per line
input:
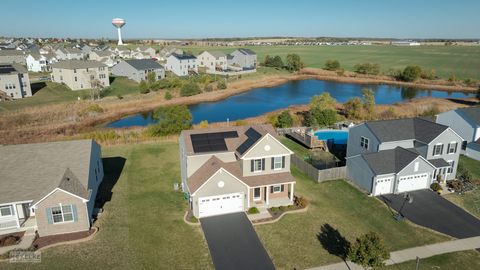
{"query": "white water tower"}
(119, 23)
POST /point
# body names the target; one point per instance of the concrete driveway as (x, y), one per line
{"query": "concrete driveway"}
(430, 210)
(234, 244)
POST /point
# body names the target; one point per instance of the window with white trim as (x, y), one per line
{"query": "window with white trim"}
(257, 165)
(62, 213)
(6, 211)
(452, 148)
(452, 163)
(438, 149)
(364, 143)
(277, 163)
(277, 189)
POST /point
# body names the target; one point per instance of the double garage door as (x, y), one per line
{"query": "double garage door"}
(222, 204)
(405, 184)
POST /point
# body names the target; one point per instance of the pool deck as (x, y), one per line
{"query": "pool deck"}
(306, 138)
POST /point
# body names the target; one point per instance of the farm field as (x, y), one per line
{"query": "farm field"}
(461, 61)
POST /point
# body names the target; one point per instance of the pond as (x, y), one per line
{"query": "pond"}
(262, 100)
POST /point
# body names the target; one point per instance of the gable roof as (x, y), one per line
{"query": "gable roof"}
(390, 161)
(105, 53)
(31, 171)
(216, 54)
(247, 137)
(212, 165)
(246, 51)
(143, 64)
(472, 113)
(77, 64)
(183, 56)
(406, 129)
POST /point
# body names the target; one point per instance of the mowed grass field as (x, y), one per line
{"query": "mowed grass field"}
(461, 61)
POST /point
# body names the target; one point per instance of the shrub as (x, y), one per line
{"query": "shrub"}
(428, 75)
(436, 187)
(283, 208)
(455, 185)
(332, 65)
(368, 251)
(171, 120)
(367, 68)
(91, 110)
(189, 89)
(203, 124)
(221, 85)
(284, 120)
(168, 95)
(452, 78)
(208, 88)
(469, 82)
(341, 72)
(253, 210)
(294, 62)
(353, 108)
(389, 114)
(300, 202)
(274, 209)
(119, 96)
(240, 123)
(411, 73)
(431, 112)
(144, 89)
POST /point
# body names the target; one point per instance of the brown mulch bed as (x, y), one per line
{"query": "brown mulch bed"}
(41, 242)
(190, 217)
(11, 239)
(278, 213)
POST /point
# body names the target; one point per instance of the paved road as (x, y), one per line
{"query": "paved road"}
(234, 244)
(431, 210)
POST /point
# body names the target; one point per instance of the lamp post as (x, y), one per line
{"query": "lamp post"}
(406, 198)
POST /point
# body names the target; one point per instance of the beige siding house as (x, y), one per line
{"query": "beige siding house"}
(80, 74)
(14, 82)
(232, 169)
(212, 61)
(53, 191)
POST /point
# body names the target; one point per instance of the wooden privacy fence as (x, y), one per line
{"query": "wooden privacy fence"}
(319, 175)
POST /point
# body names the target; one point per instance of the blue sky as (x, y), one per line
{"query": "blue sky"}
(244, 18)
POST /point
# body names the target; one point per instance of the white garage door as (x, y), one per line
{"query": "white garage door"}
(383, 186)
(413, 182)
(218, 205)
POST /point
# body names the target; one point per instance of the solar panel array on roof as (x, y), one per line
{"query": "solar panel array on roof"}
(211, 142)
(5, 69)
(253, 137)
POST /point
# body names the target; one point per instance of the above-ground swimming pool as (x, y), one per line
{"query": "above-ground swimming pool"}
(337, 136)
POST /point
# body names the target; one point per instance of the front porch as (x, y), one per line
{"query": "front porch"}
(27, 224)
(16, 217)
(265, 197)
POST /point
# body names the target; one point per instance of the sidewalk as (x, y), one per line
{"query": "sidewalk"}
(412, 253)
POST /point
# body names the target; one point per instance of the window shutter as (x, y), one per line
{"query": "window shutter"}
(74, 212)
(281, 188)
(263, 164)
(433, 153)
(283, 163)
(273, 163)
(49, 215)
(271, 189)
(448, 148)
(441, 149)
(252, 163)
(456, 145)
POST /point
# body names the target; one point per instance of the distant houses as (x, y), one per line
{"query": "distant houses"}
(182, 64)
(40, 62)
(243, 58)
(69, 54)
(12, 56)
(106, 57)
(80, 74)
(14, 82)
(138, 69)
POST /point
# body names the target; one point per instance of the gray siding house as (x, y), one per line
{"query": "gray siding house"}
(231, 169)
(243, 58)
(138, 69)
(54, 189)
(395, 156)
(466, 123)
(14, 81)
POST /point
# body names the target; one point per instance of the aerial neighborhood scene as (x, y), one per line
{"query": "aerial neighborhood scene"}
(259, 135)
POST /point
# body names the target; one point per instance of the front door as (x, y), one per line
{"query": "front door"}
(257, 194)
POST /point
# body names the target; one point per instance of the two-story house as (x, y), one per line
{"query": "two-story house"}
(40, 62)
(69, 54)
(396, 156)
(181, 64)
(80, 74)
(232, 169)
(213, 60)
(14, 82)
(245, 59)
(138, 70)
(466, 122)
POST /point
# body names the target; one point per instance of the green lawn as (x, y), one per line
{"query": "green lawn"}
(471, 199)
(462, 61)
(142, 226)
(297, 148)
(51, 92)
(292, 242)
(465, 260)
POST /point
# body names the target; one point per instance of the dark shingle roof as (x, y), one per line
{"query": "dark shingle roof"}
(439, 162)
(143, 64)
(77, 64)
(246, 51)
(390, 161)
(473, 113)
(406, 129)
(183, 56)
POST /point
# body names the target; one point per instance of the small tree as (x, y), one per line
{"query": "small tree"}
(268, 61)
(168, 95)
(277, 62)
(368, 251)
(189, 89)
(367, 68)
(323, 101)
(151, 78)
(411, 73)
(221, 85)
(171, 120)
(144, 89)
(353, 108)
(294, 62)
(284, 119)
(369, 101)
(332, 65)
(324, 118)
